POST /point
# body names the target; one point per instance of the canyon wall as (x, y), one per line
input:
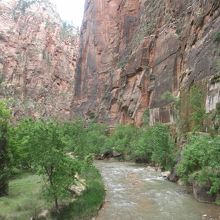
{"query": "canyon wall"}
(38, 55)
(134, 51)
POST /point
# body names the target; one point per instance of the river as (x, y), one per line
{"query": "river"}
(135, 192)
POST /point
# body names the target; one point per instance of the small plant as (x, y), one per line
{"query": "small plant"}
(146, 117)
(197, 106)
(217, 37)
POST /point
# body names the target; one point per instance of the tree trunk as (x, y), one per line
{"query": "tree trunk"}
(56, 204)
(3, 163)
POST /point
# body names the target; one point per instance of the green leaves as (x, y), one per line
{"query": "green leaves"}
(201, 161)
(197, 101)
(84, 138)
(38, 145)
(4, 154)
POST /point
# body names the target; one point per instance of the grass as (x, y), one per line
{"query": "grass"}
(25, 201)
(24, 198)
(88, 204)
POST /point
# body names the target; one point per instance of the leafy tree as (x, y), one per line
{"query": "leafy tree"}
(84, 139)
(154, 145)
(163, 147)
(39, 145)
(4, 155)
(49, 160)
(142, 147)
(19, 141)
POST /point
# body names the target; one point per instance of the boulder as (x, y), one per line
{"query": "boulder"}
(116, 154)
(44, 215)
(173, 177)
(166, 174)
(201, 192)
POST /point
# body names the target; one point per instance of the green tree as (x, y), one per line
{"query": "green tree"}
(49, 160)
(4, 155)
(39, 145)
(19, 142)
(163, 146)
(84, 139)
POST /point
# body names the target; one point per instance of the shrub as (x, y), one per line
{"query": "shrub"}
(154, 145)
(217, 37)
(142, 146)
(197, 105)
(84, 138)
(19, 136)
(200, 161)
(122, 138)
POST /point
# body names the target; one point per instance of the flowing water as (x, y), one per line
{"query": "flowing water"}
(140, 193)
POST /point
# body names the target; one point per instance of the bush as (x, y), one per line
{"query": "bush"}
(154, 145)
(163, 146)
(87, 205)
(142, 146)
(201, 161)
(197, 101)
(217, 37)
(84, 139)
(122, 139)
(19, 144)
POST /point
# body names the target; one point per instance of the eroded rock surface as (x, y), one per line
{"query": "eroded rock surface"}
(37, 58)
(133, 51)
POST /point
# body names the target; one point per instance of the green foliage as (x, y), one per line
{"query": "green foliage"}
(41, 147)
(4, 154)
(142, 146)
(91, 200)
(197, 105)
(122, 138)
(217, 37)
(84, 139)
(40, 143)
(146, 118)
(169, 97)
(163, 147)
(200, 161)
(19, 141)
(155, 145)
(147, 144)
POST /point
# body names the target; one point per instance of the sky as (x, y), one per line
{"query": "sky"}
(70, 10)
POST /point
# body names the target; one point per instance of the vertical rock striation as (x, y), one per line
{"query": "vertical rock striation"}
(133, 51)
(37, 59)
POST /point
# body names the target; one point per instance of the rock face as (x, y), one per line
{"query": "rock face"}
(133, 51)
(37, 58)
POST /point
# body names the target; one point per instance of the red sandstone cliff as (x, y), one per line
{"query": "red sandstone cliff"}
(37, 59)
(133, 51)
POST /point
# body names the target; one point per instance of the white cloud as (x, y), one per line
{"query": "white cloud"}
(70, 10)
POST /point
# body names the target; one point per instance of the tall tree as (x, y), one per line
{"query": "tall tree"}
(4, 158)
